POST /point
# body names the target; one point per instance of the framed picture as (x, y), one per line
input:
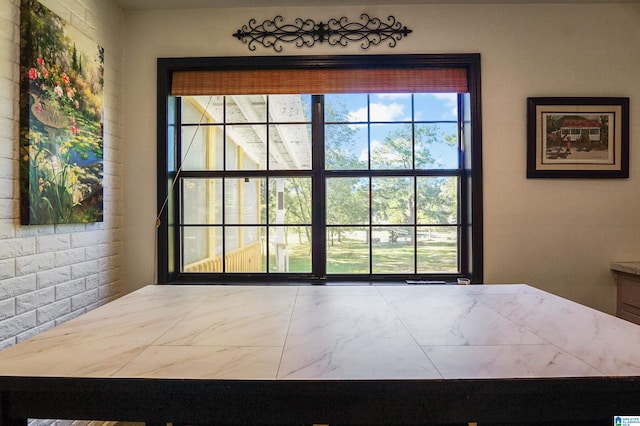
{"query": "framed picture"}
(577, 137)
(61, 120)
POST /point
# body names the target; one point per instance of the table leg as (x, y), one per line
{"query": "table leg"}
(5, 420)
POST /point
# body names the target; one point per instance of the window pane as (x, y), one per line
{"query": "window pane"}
(393, 200)
(391, 146)
(341, 108)
(246, 109)
(393, 250)
(437, 249)
(246, 147)
(201, 148)
(346, 146)
(290, 147)
(390, 107)
(202, 249)
(289, 108)
(243, 200)
(436, 146)
(202, 109)
(290, 249)
(290, 201)
(347, 250)
(436, 106)
(201, 201)
(437, 200)
(243, 249)
(347, 201)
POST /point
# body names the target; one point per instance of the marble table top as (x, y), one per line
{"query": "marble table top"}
(333, 332)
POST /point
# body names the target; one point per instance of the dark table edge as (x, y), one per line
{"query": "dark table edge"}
(318, 401)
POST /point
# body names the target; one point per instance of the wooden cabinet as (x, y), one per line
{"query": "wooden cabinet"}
(628, 306)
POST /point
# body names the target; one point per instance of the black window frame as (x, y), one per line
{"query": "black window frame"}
(471, 211)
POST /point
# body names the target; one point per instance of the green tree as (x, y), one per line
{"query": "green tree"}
(298, 203)
(340, 138)
(42, 35)
(347, 198)
(394, 201)
(437, 200)
(347, 204)
(604, 131)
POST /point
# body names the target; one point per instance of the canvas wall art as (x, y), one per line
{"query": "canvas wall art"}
(61, 125)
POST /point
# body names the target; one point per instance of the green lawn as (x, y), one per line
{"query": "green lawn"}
(352, 257)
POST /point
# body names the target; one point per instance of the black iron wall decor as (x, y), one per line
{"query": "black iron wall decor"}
(336, 32)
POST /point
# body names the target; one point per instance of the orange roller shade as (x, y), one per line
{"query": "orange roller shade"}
(319, 81)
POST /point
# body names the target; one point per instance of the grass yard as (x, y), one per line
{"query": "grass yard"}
(351, 256)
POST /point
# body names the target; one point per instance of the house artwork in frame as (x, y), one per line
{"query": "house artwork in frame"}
(578, 137)
(61, 125)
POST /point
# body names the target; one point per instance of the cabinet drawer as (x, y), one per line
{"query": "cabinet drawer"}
(628, 298)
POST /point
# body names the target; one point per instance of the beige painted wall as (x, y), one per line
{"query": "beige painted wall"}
(558, 235)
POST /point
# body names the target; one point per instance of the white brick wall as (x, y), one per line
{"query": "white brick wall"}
(50, 274)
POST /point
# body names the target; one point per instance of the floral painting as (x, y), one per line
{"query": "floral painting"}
(61, 128)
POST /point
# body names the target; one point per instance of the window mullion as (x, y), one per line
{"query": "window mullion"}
(176, 212)
(318, 185)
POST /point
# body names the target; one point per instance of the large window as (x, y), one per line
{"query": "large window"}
(372, 177)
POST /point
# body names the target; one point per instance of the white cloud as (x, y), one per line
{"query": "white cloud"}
(394, 95)
(358, 115)
(379, 112)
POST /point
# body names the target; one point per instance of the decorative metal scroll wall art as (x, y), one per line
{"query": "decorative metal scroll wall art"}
(336, 32)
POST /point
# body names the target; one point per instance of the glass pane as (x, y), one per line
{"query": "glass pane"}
(172, 133)
(201, 201)
(436, 146)
(347, 201)
(244, 199)
(290, 249)
(346, 146)
(202, 148)
(393, 250)
(391, 146)
(290, 201)
(243, 249)
(202, 109)
(437, 249)
(466, 130)
(390, 107)
(246, 147)
(202, 249)
(341, 108)
(232, 201)
(290, 147)
(289, 108)
(246, 109)
(393, 200)
(435, 106)
(437, 200)
(347, 250)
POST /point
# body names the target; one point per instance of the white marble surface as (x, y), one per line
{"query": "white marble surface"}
(333, 332)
